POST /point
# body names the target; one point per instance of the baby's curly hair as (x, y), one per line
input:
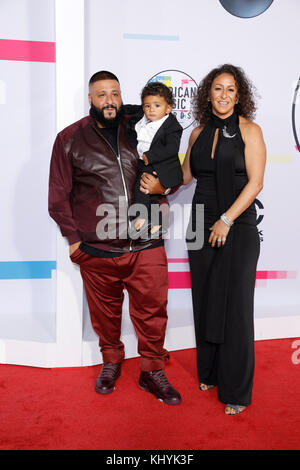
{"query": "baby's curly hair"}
(158, 89)
(246, 105)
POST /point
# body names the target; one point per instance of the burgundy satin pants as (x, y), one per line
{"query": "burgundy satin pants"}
(145, 276)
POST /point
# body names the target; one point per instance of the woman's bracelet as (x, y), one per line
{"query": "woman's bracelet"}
(226, 220)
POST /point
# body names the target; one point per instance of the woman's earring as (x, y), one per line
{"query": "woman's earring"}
(208, 99)
(237, 100)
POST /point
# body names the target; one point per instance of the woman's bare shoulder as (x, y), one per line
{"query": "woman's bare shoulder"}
(250, 129)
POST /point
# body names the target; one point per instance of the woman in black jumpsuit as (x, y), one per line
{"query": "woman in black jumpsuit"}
(226, 155)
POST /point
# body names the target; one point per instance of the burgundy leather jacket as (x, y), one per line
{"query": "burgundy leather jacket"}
(91, 187)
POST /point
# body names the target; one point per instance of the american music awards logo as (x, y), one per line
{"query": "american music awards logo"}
(184, 89)
(259, 208)
(296, 116)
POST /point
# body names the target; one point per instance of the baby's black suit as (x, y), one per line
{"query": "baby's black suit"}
(163, 159)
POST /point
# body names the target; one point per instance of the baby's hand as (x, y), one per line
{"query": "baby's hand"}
(145, 159)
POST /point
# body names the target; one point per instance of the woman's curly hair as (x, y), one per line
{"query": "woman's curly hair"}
(246, 105)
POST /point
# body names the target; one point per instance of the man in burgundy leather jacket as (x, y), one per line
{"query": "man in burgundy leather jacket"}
(93, 170)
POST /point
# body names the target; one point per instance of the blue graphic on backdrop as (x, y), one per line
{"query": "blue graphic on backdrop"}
(246, 8)
(150, 37)
(27, 269)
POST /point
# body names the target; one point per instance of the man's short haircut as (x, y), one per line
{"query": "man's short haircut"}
(102, 75)
(158, 89)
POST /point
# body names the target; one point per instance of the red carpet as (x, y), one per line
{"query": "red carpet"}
(58, 408)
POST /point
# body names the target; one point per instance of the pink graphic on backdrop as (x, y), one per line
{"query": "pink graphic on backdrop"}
(276, 274)
(182, 279)
(27, 51)
(186, 81)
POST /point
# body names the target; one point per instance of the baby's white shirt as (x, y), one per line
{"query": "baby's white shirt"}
(146, 130)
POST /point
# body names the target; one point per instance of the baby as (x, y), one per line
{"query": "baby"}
(158, 137)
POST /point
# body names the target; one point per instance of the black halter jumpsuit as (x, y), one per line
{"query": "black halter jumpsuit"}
(223, 279)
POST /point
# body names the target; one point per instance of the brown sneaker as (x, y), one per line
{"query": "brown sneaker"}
(157, 383)
(107, 378)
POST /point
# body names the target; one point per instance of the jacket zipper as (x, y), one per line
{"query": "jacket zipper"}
(124, 184)
(122, 175)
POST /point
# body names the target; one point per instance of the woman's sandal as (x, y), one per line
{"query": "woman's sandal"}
(234, 409)
(205, 387)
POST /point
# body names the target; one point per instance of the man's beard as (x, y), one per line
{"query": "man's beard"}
(107, 122)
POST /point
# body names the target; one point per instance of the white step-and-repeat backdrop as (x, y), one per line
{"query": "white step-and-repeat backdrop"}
(27, 115)
(177, 43)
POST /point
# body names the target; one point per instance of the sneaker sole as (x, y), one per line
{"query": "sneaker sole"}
(166, 401)
(104, 392)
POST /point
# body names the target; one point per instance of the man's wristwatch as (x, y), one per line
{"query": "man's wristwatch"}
(166, 192)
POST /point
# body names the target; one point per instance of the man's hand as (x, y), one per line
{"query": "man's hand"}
(145, 159)
(73, 248)
(149, 184)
